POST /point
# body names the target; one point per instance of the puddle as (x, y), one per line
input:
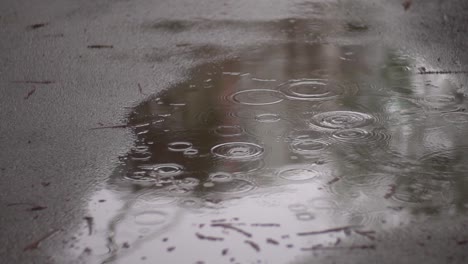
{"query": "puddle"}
(286, 146)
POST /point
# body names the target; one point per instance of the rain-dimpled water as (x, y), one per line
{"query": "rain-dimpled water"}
(282, 149)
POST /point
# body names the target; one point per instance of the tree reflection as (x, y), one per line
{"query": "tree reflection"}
(356, 120)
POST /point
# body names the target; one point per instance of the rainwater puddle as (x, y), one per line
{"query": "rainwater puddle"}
(327, 153)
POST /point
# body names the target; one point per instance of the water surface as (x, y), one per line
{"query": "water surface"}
(285, 149)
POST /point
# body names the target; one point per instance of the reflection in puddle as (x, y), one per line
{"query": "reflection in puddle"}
(239, 164)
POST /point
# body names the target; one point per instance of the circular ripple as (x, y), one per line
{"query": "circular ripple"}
(447, 161)
(268, 118)
(310, 89)
(307, 146)
(189, 182)
(149, 197)
(191, 203)
(291, 173)
(238, 166)
(418, 191)
(140, 153)
(395, 107)
(456, 117)
(298, 135)
(341, 120)
(367, 180)
(257, 97)
(238, 150)
(323, 203)
(139, 177)
(445, 103)
(439, 99)
(179, 146)
(164, 170)
(229, 131)
(232, 187)
(359, 135)
(150, 218)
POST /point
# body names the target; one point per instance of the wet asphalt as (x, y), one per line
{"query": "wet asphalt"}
(68, 67)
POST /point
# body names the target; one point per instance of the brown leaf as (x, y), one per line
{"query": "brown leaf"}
(406, 4)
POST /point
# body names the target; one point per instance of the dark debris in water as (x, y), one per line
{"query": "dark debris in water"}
(265, 225)
(33, 207)
(209, 238)
(391, 191)
(368, 234)
(272, 241)
(231, 227)
(100, 46)
(330, 230)
(322, 247)
(37, 26)
(170, 249)
(406, 4)
(356, 26)
(35, 245)
(29, 94)
(90, 223)
(37, 208)
(254, 245)
(341, 132)
(34, 82)
(224, 252)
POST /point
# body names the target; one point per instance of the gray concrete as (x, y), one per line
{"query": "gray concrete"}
(46, 138)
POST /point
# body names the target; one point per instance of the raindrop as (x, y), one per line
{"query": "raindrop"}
(229, 131)
(310, 89)
(307, 146)
(189, 182)
(150, 218)
(190, 152)
(297, 207)
(237, 150)
(341, 120)
(179, 146)
(257, 97)
(177, 190)
(292, 173)
(191, 203)
(233, 187)
(208, 184)
(305, 216)
(220, 177)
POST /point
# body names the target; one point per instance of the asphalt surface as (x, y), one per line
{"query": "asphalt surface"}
(67, 67)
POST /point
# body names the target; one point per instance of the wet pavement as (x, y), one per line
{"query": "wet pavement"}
(285, 132)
